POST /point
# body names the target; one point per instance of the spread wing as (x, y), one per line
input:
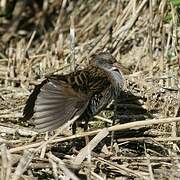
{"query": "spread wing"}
(53, 103)
(29, 107)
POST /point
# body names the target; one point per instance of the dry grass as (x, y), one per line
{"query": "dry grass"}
(46, 37)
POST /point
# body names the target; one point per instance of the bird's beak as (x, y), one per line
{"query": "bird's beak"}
(116, 66)
(121, 68)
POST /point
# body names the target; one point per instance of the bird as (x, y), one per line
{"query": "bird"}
(83, 93)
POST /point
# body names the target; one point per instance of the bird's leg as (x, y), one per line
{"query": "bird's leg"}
(74, 127)
(113, 123)
(86, 129)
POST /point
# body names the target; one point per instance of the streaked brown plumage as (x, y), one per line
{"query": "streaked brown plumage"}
(85, 92)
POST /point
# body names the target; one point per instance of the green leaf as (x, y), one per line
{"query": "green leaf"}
(168, 18)
(175, 2)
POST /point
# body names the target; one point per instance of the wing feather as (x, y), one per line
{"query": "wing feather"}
(54, 103)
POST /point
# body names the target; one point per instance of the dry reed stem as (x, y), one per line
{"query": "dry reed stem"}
(54, 168)
(90, 146)
(6, 163)
(23, 164)
(123, 169)
(62, 166)
(151, 175)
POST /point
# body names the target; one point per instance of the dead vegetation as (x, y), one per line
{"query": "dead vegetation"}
(43, 37)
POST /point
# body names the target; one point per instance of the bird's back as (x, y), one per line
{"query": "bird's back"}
(61, 97)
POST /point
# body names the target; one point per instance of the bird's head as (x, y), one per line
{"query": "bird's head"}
(112, 68)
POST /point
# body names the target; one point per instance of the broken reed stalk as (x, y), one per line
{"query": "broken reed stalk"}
(62, 166)
(6, 163)
(124, 170)
(90, 146)
(150, 38)
(72, 43)
(23, 164)
(151, 175)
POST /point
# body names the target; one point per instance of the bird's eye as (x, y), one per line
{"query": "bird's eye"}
(114, 69)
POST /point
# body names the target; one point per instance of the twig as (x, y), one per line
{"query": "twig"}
(96, 176)
(72, 36)
(16, 129)
(90, 146)
(154, 158)
(30, 41)
(23, 164)
(6, 163)
(62, 166)
(149, 163)
(124, 170)
(54, 168)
